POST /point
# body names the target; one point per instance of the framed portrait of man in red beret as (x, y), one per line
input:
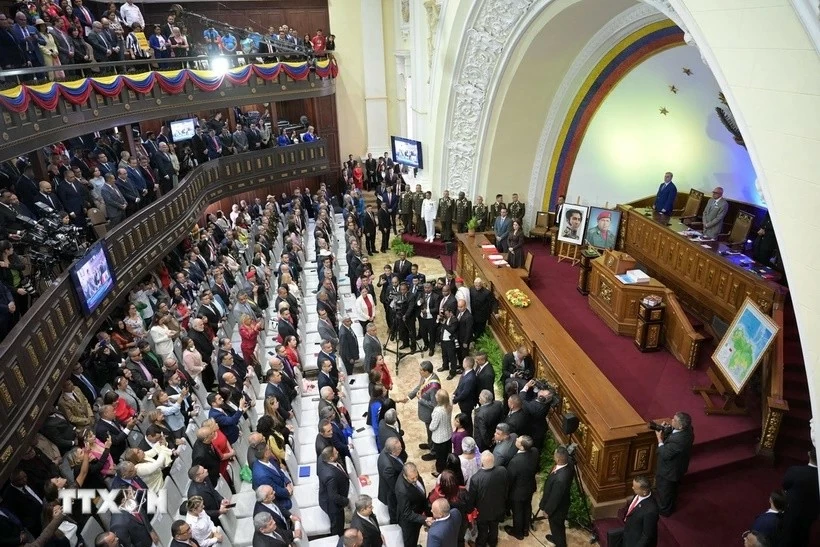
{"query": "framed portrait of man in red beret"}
(603, 228)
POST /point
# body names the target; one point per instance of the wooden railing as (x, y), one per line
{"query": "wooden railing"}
(774, 406)
(680, 338)
(42, 348)
(22, 132)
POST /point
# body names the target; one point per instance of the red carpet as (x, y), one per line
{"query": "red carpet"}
(436, 249)
(726, 486)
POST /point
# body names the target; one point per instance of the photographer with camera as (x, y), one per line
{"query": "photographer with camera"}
(675, 442)
(538, 399)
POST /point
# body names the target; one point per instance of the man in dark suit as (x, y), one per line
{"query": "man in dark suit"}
(266, 470)
(365, 522)
(132, 528)
(265, 532)
(334, 487)
(517, 417)
(390, 427)
(47, 198)
(348, 345)
(466, 393)
(464, 333)
(285, 522)
(390, 467)
(641, 516)
(372, 346)
(369, 229)
(521, 480)
(427, 305)
(165, 169)
(75, 198)
(446, 525)
(770, 523)
(100, 44)
(800, 484)
(215, 504)
(116, 205)
(665, 200)
(482, 305)
(556, 497)
(537, 407)
(673, 460)
(26, 504)
(204, 454)
(402, 267)
(488, 493)
(487, 416)
(58, 430)
(384, 226)
(485, 374)
(107, 426)
(411, 504)
(517, 366)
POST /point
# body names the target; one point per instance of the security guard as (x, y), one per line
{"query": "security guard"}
(495, 209)
(464, 210)
(480, 212)
(446, 211)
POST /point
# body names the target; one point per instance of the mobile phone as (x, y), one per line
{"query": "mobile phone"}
(231, 505)
(359, 430)
(352, 381)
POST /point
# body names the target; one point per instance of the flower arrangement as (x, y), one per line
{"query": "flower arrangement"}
(517, 298)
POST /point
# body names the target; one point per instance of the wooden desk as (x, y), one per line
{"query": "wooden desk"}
(614, 443)
(616, 303)
(707, 282)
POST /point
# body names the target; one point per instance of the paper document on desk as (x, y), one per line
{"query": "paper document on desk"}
(500, 263)
(488, 248)
(495, 257)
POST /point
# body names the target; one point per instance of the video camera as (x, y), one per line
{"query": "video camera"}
(665, 429)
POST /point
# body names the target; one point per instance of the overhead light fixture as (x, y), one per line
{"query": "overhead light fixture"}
(219, 65)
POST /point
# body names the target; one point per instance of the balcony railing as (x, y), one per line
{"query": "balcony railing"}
(37, 116)
(42, 348)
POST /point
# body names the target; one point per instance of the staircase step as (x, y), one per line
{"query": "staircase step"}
(704, 466)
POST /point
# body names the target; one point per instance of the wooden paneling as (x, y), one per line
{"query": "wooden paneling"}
(614, 442)
(705, 281)
(42, 348)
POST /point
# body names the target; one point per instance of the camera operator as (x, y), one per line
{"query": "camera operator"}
(11, 275)
(674, 449)
(516, 367)
(538, 399)
(404, 308)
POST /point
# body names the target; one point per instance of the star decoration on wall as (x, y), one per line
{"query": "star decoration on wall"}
(663, 110)
(673, 89)
(687, 71)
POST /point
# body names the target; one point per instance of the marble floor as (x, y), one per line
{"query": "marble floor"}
(414, 432)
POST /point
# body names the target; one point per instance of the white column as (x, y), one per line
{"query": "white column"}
(375, 83)
(418, 128)
(402, 79)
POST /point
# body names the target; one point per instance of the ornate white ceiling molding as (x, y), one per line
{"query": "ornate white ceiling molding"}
(493, 28)
(618, 28)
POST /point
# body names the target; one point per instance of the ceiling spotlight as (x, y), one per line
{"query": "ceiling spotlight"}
(219, 65)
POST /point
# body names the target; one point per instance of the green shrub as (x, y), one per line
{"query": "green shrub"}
(399, 246)
(489, 345)
(577, 514)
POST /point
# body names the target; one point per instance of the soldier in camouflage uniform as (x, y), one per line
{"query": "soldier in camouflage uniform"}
(495, 210)
(464, 211)
(418, 223)
(480, 212)
(516, 210)
(446, 211)
(406, 209)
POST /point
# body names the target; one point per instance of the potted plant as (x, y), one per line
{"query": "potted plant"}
(472, 224)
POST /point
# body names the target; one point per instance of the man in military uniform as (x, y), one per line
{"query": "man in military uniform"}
(418, 224)
(600, 235)
(516, 209)
(446, 211)
(406, 209)
(495, 209)
(480, 212)
(464, 210)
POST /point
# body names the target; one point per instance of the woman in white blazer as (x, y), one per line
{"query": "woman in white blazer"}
(364, 310)
(163, 337)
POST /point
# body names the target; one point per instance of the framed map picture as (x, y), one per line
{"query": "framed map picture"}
(572, 223)
(744, 344)
(602, 231)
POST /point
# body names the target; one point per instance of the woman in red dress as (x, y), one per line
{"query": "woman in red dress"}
(249, 333)
(358, 175)
(223, 449)
(379, 365)
(291, 351)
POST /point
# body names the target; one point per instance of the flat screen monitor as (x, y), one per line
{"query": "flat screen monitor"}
(407, 152)
(93, 277)
(183, 130)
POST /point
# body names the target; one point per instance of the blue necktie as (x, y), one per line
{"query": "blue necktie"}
(84, 380)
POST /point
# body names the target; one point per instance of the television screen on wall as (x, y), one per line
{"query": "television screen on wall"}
(407, 152)
(183, 130)
(93, 278)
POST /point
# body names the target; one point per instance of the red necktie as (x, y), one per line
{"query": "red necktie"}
(369, 306)
(632, 505)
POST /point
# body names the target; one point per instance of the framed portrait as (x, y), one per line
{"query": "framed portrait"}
(572, 224)
(744, 344)
(602, 231)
